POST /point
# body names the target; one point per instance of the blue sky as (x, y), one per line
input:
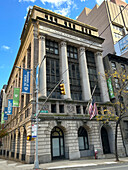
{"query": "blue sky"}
(12, 18)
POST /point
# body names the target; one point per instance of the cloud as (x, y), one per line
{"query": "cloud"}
(6, 47)
(29, 7)
(100, 1)
(62, 7)
(27, 0)
(83, 0)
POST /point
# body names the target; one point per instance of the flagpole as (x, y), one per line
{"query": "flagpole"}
(91, 97)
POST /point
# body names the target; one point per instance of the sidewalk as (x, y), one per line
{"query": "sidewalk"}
(57, 165)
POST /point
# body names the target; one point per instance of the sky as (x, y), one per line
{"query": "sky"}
(12, 19)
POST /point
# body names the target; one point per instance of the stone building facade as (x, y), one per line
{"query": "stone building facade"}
(69, 50)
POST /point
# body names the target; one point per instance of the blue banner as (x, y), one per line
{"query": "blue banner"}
(26, 81)
(37, 74)
(5, 113)
(10, 104)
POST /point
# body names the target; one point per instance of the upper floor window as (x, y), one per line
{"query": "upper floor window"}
(55, 20)
(65, 23)
(116, 83)
(72, 52)
(46, 16)
(113, 64)
(51, 18)
(123, 68)
(52, 47)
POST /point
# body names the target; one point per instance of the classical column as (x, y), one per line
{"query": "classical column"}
(42, 68)
(64, 69)
(101, 77)
(86, 93)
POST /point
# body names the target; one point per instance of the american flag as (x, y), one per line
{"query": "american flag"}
(92, 109)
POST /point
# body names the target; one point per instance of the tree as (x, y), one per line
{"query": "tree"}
(118, 101)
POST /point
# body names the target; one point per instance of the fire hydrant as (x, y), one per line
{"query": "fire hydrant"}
(96, 154)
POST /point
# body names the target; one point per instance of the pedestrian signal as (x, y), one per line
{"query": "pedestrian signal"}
(62, 89)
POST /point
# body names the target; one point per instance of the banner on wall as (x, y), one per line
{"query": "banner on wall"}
(10, 105)
(16, 96)
(26, 81)
(5, 113)
(110, 88)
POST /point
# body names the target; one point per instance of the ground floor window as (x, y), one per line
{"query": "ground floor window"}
(83, 139)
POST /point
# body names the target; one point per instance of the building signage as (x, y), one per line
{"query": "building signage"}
(34, 131)
(2, 118)
(37, 74)
(26, 81)
(123, 43)
(110, 88)
(16, 94)
(5, 113)
(10, 105)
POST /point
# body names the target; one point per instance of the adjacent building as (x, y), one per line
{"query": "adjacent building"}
(116, 68)
(111, 20)
(71, 51)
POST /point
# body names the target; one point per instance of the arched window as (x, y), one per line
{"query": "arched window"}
(83, 139)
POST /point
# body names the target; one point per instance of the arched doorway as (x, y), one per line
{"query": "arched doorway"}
(83, 139)
(105, 141)
(57, 143)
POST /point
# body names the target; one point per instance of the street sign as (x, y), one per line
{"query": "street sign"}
(44, 111)
(34, 130)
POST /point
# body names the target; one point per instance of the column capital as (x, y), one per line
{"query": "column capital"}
(63, 44)
(41, 37)
(81, 49)
(98, 53)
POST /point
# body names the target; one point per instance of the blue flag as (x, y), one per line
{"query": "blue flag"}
(26, 81)
(5, 113)
(10, 105)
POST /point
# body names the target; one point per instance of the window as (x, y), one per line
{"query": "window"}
(51, 18)
(113, 64)
(72, 52)
(105, 110)
(78, 110)
(73, 26)
(70, 25)
(126, 85)
(55, 20)
(65, 23)
(53, 76)
(85, 110)
(53, 108)
(93, 75)
(83, 139)
(99, 110)
(123, 67)
(116, 83)
(61, 108)
(46, 16)
(52, 47)
(22, 101)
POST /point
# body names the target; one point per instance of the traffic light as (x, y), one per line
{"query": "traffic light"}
(62, 89)
(29, 138)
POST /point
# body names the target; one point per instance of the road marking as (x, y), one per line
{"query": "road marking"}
(72, 166)
(110, 162)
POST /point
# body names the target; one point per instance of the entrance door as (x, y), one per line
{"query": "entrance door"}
(57, 143)
(105, 141)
